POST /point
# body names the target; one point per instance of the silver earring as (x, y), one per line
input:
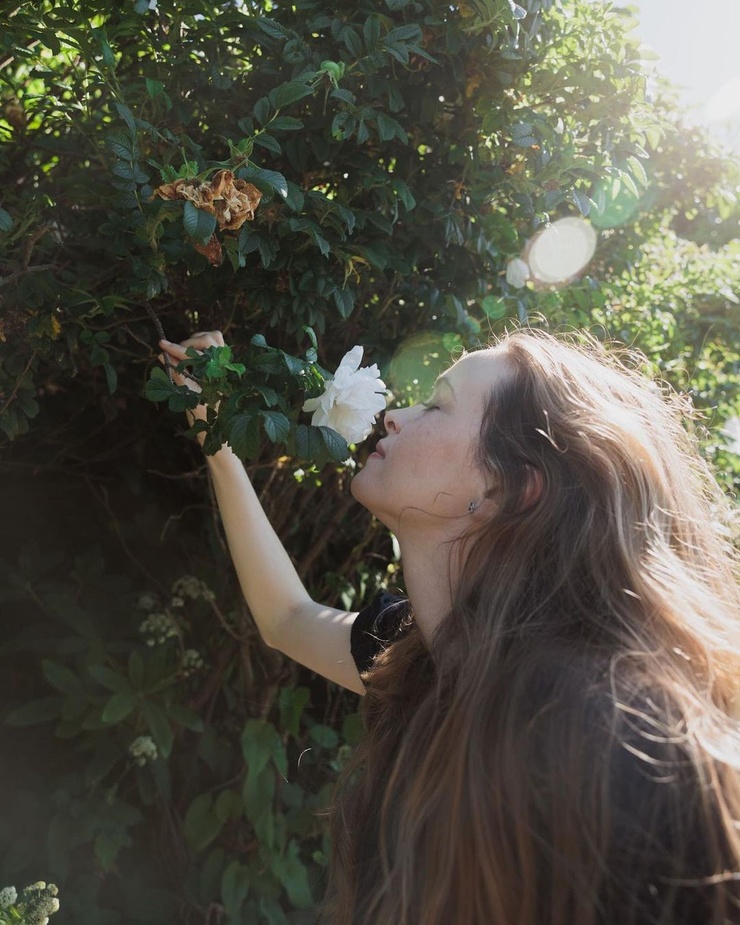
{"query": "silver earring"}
(472, 506)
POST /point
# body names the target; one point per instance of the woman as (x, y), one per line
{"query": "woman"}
(549, 736)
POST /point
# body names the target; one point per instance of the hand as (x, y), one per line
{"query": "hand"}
(177, 352)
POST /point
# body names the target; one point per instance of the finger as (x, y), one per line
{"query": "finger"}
(174, 350)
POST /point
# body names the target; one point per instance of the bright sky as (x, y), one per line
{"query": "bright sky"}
(697, 41)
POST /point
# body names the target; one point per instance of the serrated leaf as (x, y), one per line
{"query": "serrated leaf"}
(335, 444)
(408, 33)
(198, 224)
(289, 93)
(128, 117)
(271, 178)
(277, 426)
(244, 435)
(285, 124)
(268, 142)
(121, 145)
(158, 387)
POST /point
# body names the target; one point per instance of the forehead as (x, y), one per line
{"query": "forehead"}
(478, 372)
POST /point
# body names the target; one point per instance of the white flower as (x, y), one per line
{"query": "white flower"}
(351, 400)
(143, 749)
(517, 272)
(8, 897)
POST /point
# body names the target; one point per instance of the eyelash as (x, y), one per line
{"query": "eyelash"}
(430, 407)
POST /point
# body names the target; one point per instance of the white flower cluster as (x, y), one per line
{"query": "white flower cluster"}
(38, 902)
(158, 628)
(143, 749)
(351, 400)
(192, 661)
(8, 897)
(190, 586)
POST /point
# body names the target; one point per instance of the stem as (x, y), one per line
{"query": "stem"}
(160, 332)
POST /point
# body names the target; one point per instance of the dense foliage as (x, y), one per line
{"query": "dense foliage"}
(167, 766)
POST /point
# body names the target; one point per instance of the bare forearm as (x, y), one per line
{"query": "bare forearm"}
(268, 579)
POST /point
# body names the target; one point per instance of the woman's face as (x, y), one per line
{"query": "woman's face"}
(424, 472)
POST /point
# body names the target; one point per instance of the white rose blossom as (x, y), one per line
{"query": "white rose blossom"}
(517, 272)
(351, 400)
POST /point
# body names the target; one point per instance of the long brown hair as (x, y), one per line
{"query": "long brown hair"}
(564, 752)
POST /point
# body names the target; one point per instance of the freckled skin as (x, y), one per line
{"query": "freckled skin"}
(428, 476)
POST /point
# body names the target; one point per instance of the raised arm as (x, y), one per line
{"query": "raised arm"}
(287, 617)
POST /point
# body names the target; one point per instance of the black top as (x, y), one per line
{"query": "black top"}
(376, 626)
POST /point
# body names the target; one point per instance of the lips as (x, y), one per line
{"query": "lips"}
(380, 449)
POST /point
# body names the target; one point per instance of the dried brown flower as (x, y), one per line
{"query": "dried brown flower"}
(232, 201)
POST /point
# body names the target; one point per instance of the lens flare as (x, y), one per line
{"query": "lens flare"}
(417, 363)
(561, 250)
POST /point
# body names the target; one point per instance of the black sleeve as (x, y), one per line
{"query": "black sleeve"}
(376, 626)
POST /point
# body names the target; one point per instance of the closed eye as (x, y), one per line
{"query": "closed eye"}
(428, 406)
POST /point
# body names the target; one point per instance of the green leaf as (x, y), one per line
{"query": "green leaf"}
(235, 884)
(335, 444)
(61, 678)
(128, 117)
(118, 707)
(123, 146)
(159, 726)
(638, 171)
(136, 669)
(285, 124)
(110, 679)
(289, 93)
(262, 110)
(6, 221)
(186, 717)
(244, 435)
(324, 736)
(268, 142)
(293, 874)
(154, 87)
(522, 134)
(408, 33)
(291, 703)
(201, 826)
(269, 178)
(37, 711)
(198, 224)
(277, 426)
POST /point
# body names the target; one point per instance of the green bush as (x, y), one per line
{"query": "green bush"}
(167, 766)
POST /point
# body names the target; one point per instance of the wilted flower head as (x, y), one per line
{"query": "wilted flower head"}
(232, 201)
(517, 272)
(351, 400)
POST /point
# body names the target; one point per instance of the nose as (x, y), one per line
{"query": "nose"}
(394, 419)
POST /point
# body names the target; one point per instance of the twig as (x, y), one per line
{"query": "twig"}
(18, 383)
(160, 333)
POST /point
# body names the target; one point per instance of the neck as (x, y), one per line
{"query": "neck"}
(426, 571)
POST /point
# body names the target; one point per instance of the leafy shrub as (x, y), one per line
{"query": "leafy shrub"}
(404, 153)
